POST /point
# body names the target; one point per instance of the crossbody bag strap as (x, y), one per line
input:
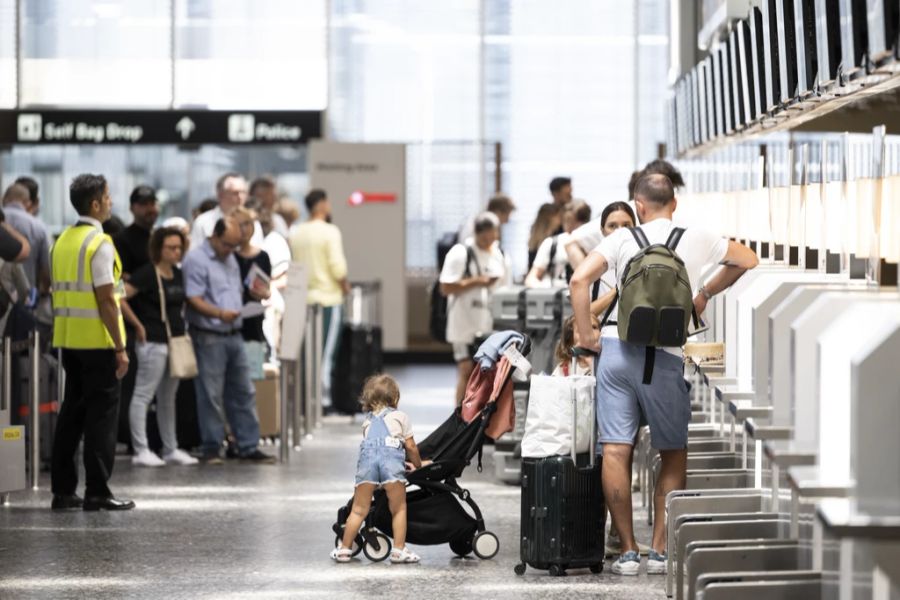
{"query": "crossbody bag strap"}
(162, 303)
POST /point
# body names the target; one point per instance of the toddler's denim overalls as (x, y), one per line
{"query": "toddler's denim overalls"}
(381, 455)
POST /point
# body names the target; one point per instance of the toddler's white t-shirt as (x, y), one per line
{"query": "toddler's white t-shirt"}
(397, 423)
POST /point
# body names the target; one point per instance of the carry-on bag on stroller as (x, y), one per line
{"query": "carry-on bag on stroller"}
(563, 510)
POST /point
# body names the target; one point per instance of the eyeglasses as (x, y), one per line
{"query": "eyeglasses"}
(172, 247)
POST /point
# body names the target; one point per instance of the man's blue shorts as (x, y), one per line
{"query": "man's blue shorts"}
(622, 396)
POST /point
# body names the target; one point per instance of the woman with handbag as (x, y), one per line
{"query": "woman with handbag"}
(164, 352)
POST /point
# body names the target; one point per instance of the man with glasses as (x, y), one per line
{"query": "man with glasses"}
(214, 290)
(231, 191)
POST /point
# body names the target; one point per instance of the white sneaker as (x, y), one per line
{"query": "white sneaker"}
(656, 563)
(146, 458)
(180, 457)
(627, 564)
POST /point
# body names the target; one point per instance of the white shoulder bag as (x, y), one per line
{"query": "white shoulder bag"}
(182, 360)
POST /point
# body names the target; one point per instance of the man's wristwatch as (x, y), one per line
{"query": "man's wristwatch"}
(705, 293)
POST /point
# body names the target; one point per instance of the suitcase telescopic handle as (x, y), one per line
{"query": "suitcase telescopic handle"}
(576, 352)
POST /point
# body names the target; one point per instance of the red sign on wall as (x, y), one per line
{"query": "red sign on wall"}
(359, 198)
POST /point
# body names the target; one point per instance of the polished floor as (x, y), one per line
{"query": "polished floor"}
(240, 531)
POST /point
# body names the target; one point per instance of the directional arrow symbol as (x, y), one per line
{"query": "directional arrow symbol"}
(184, 127)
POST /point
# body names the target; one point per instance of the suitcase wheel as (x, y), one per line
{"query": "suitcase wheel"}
(556, 571)
(519, 569)
(598, 568)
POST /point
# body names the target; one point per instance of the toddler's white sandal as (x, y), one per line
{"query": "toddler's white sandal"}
(403, 555)
(341, 554)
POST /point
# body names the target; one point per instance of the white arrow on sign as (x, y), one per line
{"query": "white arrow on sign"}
(185, 126)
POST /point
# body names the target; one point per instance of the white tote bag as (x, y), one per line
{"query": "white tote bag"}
(549, 422)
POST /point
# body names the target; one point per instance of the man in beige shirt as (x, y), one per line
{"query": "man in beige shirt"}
(318, 245)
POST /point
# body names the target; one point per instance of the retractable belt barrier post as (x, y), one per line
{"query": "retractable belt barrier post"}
(298, 422)
(34, 357)
(13, 476)
(317, 351)
(284, 449)
(5, 396)
(294, 330)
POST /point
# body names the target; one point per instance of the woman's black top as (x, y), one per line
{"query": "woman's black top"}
(252, 329)
(146, 302)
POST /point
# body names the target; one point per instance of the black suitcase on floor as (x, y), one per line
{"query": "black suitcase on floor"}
(359, 355)
(563, 513)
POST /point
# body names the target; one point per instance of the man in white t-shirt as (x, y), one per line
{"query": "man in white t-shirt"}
(471, 271)
(621, 394)
(231, 190)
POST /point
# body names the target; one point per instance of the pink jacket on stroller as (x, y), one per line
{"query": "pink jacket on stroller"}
(492, 385)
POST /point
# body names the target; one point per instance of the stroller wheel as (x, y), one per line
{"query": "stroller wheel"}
(377, 547)
(461, 547)
(486, 545)
(355, 548)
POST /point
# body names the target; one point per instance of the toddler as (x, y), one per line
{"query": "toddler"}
(387, 443)
(567, 341)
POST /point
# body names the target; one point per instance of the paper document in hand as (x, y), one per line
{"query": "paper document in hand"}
(257, 276)
(252, 309)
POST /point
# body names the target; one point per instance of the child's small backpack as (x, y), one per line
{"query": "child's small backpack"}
(655, 298)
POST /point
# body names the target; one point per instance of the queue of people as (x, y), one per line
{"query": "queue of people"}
(124, 298)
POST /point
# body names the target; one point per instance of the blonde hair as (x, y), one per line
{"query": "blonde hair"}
(243, 211)
(543, 226)
(379, 391)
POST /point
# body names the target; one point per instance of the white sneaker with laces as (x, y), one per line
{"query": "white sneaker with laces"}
(656, 563)
(180, 457)
(146, 458)
(628, 564)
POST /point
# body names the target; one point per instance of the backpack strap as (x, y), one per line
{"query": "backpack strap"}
(640, 237)
(674, 238)
(553, 244)
(649, 361)
(671, 244)
(470, 258)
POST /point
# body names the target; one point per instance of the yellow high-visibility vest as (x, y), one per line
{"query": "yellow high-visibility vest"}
(76, 317)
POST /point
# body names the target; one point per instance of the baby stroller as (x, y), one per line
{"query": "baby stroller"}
(435, 512)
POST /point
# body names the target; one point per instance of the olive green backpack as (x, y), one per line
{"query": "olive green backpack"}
(654, 297)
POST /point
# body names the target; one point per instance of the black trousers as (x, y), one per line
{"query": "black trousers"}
(91, 410)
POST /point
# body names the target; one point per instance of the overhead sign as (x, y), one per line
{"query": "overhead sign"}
(158, 127)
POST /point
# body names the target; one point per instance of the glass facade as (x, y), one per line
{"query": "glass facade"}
(573, 88)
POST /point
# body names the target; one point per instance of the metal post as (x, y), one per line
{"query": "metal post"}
(297, 397)
(308, 372)
(7, 372)
(34, 353)
(284, 452)
(5, 398)
(318, 362)
(878, 170)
